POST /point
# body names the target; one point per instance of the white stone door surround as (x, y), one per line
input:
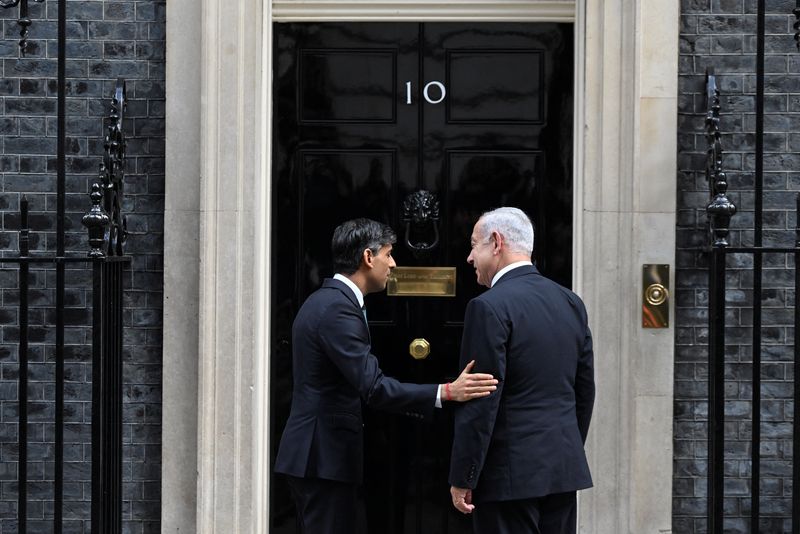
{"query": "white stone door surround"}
(217, 246)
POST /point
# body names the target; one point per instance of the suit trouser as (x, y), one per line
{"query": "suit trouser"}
(325, 506)
(551, 514)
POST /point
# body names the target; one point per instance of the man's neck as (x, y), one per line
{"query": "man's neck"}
(512, 258)
(509, 265)
(359, 280)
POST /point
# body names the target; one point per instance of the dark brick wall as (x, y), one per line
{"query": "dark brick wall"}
(105, 39)
(721, 33)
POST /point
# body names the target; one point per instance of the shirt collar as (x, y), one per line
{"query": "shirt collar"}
(349, 283)
(507, 268)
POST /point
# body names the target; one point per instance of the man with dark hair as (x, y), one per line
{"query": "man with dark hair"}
(351, 238)
(321, 450)
(518, 455)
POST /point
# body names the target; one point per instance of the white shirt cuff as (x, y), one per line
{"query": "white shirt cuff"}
(438, 396)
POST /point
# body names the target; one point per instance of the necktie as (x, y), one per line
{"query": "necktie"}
(364, 311)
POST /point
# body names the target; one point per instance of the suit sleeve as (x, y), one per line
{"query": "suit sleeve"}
(485, 340)
(344, 336)
(584, 384)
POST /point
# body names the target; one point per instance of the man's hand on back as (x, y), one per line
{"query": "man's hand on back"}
(469, 386)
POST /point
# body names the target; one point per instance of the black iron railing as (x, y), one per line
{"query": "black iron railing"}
(107, 233)
(107, 331)
(720, 210)
(107, 262)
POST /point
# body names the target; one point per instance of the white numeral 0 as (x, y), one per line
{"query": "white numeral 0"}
(425, 89)
(440, 85)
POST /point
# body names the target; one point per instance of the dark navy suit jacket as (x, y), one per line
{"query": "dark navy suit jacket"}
(333, 372)
(526, 439)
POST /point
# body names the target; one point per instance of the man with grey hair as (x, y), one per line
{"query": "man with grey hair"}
(518, 456)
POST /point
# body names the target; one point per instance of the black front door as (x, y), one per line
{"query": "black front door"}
(366, 114)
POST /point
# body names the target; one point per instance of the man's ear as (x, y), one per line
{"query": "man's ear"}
(497, 239)
(367, 258)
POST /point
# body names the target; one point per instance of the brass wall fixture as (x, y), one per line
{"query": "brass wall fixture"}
(655, 296)
(419, 348)
(422, 282)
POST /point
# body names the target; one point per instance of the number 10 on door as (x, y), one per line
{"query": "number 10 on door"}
(426, 92)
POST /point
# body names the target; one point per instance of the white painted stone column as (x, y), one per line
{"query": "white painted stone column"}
(654, 222)
(218, 153)
(234, 218)
(181, 269)
(626, 211)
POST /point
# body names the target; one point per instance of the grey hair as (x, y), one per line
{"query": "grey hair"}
(513, 225)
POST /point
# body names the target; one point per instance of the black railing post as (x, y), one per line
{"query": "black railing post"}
(119, 268)
(58, 495)
(99, 489)
(796, 421)
(716, 390)
(107, 396)
(107, 234)
(22, 394)
(755, 432)
(719, 210)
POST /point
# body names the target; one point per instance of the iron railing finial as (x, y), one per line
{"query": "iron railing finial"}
(23, 21)
(96, 221)
(110, 186)
(721, 208)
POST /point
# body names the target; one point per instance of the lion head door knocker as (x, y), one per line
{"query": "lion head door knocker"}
(421, 218)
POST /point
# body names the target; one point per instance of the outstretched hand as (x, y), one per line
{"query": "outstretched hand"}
(470, 386)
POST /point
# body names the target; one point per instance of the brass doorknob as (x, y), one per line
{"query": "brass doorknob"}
(419, 348)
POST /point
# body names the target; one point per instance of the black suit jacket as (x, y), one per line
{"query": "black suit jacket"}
(333, 372)
(526, 439)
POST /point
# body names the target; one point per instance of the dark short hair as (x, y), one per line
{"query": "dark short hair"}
(351, 238)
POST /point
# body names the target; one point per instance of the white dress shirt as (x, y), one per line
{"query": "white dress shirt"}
(349, 283)
(507, 268)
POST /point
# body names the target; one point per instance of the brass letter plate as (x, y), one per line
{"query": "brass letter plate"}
(655, 296)
(422, 282)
